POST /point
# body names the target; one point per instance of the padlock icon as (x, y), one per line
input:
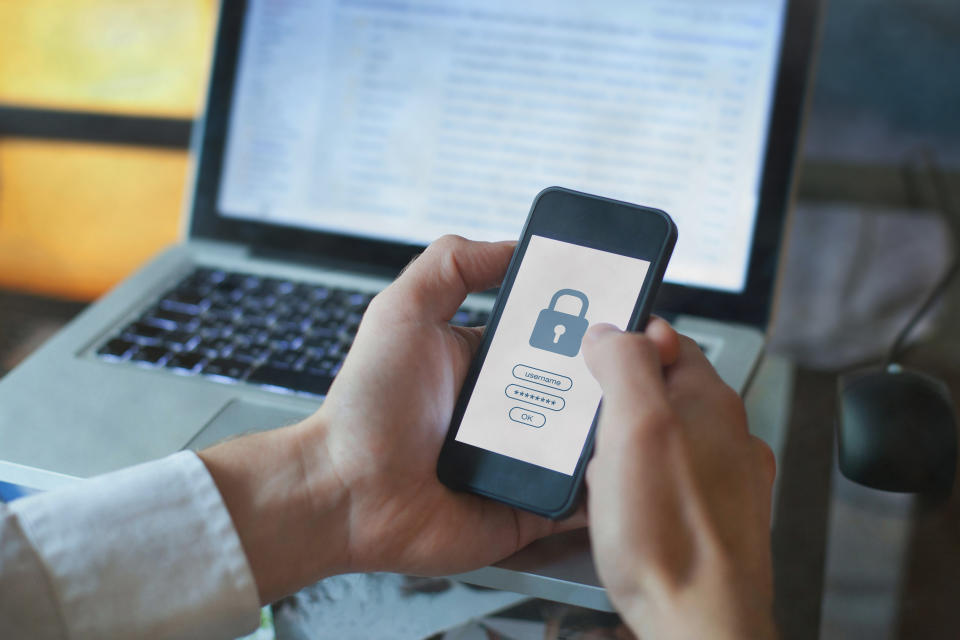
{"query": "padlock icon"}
(561, 332)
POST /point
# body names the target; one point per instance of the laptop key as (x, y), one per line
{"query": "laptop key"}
(223, 310)
(261, 338)
(229, 287)
(185, 302)
(316, 383)
(180, 340)
(321, 333)
(150, 354)
(214, 330)
(317, 293)
(185, 361)
(284, 288)
(250, 354)
(321, 363)
(116, 348)
(175, 318)
(285, 359)
(352, 322)
(202, 277)
(142, 332)
(214, 348)
(284, 334)
(359, 301)
(187, 297)
(258, 320)
(226, 368)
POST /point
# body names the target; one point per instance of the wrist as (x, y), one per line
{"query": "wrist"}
(286, 504)
(325, 499)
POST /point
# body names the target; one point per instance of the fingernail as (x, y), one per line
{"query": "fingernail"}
(599, 330)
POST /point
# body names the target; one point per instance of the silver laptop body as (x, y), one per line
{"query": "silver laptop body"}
(424, 121)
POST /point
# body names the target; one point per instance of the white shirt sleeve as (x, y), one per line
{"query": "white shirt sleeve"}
(145, 552)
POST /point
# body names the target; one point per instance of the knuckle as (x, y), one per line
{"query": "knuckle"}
(768, 461)
(635, 346)
(687, 343)
(448, 244)
(733, 405)
(375, 308)
(447, 248)
(653, 428)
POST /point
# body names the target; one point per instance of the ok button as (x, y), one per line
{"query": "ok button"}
(527, 417)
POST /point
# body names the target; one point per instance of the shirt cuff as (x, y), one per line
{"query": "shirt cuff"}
(148, 551)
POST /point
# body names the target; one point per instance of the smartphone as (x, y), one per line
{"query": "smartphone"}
(522, 428)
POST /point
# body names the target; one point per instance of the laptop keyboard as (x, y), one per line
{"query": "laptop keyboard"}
(231, 327)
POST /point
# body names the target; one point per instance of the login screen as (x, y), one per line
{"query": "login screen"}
(535, 399)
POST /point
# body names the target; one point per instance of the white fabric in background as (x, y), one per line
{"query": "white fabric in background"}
(852, 278)
(145, 552)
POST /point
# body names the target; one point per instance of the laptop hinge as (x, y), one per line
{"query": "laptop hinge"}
(324, 261)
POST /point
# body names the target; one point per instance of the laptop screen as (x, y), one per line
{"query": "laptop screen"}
(403, 121)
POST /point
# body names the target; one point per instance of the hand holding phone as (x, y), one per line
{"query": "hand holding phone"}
(382, 425)
(522, 428)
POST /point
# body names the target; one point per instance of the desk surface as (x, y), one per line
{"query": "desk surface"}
(852, 562)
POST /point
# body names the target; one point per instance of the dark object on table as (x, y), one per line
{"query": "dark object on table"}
(897, 431)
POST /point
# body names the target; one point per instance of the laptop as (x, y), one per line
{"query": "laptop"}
(339, 138)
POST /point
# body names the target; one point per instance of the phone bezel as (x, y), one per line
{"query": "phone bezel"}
(567, 216)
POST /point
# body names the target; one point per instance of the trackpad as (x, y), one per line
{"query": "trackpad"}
(239, 417)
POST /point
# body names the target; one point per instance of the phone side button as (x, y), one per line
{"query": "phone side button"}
(528, 417)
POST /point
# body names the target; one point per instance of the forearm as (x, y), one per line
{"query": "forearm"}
(288, 506)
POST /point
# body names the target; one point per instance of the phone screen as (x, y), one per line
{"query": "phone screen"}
(534, 399)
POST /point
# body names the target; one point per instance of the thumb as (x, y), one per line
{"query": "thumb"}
(435, 284)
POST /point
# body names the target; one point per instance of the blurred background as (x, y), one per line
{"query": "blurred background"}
(83, 201)
(97, 100)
